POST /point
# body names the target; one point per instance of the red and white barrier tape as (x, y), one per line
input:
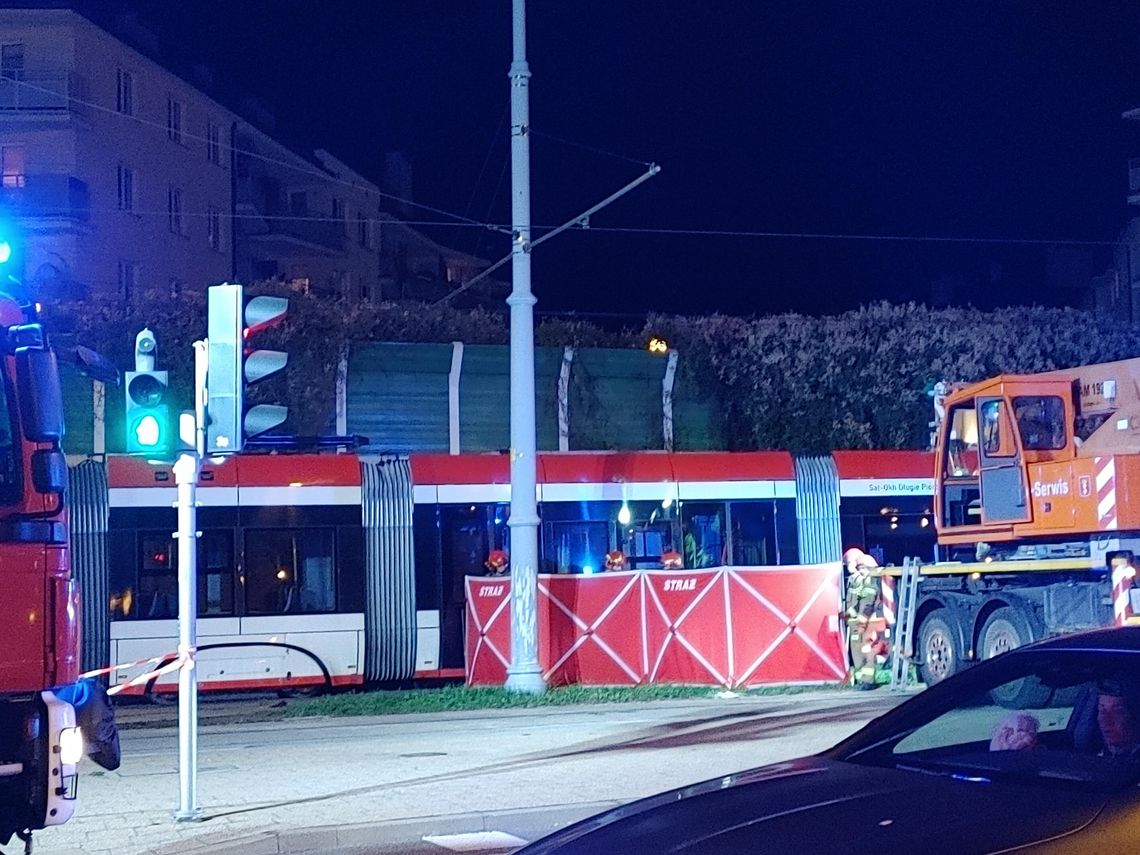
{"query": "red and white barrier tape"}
(99, 672)
(143, 679)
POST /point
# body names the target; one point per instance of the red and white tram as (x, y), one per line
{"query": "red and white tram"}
(338, 569)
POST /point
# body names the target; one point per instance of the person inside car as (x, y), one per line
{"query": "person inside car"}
(1118, 717)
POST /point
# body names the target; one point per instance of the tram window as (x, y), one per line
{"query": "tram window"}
(289, 570)
(648, 534)
(500, 531)
(350, 568)
(428, 556)
(753, 533)
(703, 526)
(466, 542)
(158, 577)
(216, 573)
(148, 590)
(574, 547)
(787, 532)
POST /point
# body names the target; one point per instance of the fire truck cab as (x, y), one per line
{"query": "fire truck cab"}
(40, 744)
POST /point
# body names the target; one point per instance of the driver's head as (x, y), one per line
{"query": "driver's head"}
(1118, 715)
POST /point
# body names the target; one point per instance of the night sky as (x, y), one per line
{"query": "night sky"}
(997, 121)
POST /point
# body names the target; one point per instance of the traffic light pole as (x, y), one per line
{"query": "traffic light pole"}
(524, 674)
(186, 477)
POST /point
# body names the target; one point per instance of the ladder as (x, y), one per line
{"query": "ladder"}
(902, 650)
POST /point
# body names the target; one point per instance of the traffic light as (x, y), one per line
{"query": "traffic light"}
(147, 404)
(232, 365)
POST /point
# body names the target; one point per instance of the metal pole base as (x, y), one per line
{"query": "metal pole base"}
(188, 816)
(525, 681)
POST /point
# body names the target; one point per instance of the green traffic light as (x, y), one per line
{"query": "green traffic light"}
(148, 432)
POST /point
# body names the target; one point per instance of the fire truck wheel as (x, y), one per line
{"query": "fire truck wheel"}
(938, 645)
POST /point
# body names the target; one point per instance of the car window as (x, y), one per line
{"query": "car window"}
(978, 718)
(1049, 718)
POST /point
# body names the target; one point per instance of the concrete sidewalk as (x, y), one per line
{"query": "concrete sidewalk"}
(322, 784)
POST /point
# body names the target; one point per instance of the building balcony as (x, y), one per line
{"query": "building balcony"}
(45, 197)
(39, 94)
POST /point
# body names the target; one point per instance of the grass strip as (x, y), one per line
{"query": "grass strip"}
(458, 698)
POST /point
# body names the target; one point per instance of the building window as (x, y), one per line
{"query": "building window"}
(365, 227)
(338, 213)
(12, 157)
(128, 278)
(126, 188)
(125, 93)
(12, 61)
(174, 120)
(213, 143)
(214, 228)
(174, 210)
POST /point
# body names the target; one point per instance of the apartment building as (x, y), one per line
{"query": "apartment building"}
(120, 176)
(115, 171)
(308, 221)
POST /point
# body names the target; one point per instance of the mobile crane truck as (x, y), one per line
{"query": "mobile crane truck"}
(1037, 510)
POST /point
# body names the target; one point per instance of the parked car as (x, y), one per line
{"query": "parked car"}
(1036, 750)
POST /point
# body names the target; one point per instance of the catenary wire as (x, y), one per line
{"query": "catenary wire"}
(535, 132)
(466, 222)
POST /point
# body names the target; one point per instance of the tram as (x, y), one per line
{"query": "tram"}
(325, 570)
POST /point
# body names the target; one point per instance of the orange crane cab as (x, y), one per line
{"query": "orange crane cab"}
(1035, 465)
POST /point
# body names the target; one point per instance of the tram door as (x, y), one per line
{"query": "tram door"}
(465, 548)
(468, 534)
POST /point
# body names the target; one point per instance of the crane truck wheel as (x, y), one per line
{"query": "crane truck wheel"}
(1004, 630)
(938, 644)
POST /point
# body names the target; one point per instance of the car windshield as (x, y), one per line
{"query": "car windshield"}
(1049, 718)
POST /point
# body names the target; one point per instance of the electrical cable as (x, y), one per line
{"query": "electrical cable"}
(533, 132)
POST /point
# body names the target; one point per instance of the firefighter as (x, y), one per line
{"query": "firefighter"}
(862, 605)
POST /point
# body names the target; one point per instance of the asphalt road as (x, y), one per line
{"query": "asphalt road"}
(503, 771)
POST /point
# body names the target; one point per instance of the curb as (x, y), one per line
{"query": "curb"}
(314, 839)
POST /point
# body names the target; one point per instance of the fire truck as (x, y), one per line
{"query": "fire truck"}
(40, 742)
(1037, 516)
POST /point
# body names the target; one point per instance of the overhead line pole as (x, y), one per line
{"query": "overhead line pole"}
(186, 470)
(524, 675)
